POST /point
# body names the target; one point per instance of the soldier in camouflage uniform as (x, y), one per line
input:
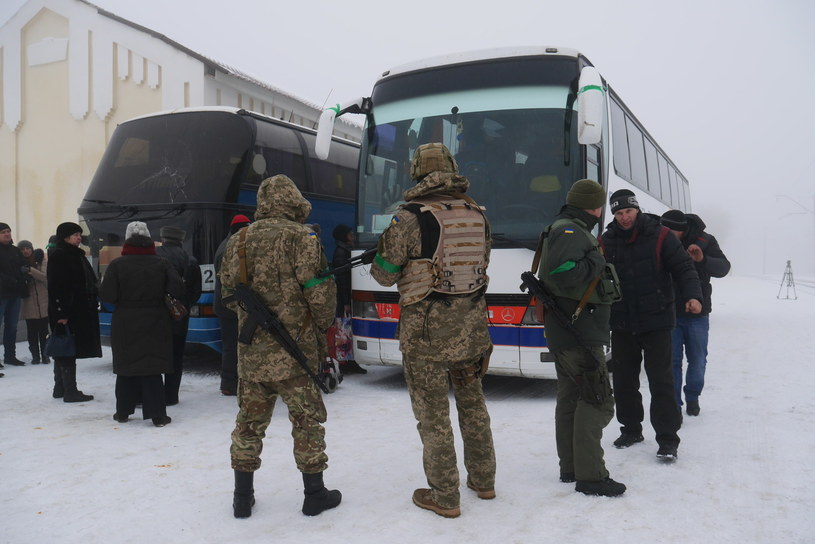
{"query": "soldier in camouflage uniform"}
(282, 260)
(443, 336)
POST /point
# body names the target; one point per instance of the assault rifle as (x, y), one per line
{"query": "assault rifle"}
(366, 257)
(258, 315)
(538, 290)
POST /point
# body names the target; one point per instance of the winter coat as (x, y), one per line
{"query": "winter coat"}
(342, 255)
(72, 290)
(190, 273)
(13, 282)
(35, 305)
(441, 328)
(713, 265)
(283, 258)
(572, 262)
(141, 328)
(646, 274)
(218, 305)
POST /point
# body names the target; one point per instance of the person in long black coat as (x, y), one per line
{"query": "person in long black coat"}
(141, 327)
(72, 303)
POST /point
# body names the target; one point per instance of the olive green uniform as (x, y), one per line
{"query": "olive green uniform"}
(571, 260)
(283, 258)
(437, 334)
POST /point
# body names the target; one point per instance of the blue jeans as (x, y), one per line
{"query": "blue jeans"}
(690, 335)
(9, 316)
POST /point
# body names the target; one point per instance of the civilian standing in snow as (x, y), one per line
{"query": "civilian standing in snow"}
(343, 353)
(190, 272)
(141, 327)
(13, 287)
(691, 331)
(443, 331)
(227, 319)
(571, 261)
(35, 305)
(72, 307)
(648, 260)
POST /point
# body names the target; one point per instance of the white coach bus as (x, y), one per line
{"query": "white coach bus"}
(523, 124)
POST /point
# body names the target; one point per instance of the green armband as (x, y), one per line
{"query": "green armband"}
(315, 281)
(565, 267)
(390, 268)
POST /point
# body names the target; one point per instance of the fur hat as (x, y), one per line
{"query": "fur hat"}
(172, 234)
(586, 194)
(136, 227)
(623, 199)
(675, 220)
(22, 244)
(64, 230)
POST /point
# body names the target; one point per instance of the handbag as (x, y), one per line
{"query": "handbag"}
(61, 344)
(176, 308)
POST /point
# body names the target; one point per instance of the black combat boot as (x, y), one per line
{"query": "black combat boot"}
(244, 498)
(72, 394)
(318, 498)
(604, 488)
(59, 390)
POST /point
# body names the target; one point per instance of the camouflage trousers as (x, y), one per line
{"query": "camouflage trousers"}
(307, 413)
(579, 424)
(428, 386)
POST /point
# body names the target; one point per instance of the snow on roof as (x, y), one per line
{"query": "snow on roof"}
(466, 57)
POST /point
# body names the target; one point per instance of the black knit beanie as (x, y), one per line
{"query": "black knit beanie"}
(675, 220)
(341, 232)
(623, 199)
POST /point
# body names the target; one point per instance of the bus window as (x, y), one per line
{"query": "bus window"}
(622, 164)
(281, 149)
(664, 181)
(654, 186)
(639, 176)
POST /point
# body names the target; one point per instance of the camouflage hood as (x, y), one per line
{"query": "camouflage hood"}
(278, 196)
(438, 182)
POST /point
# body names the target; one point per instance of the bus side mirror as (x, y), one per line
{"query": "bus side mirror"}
(590, 106)
(325, 128)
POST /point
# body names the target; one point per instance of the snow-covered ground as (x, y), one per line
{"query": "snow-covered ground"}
(69, 473)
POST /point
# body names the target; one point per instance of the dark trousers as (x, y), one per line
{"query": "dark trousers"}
(172, 382)
(628, 351)
(149, 390)
(37, 332)
(229, 354)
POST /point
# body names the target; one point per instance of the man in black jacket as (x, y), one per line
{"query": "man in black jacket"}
(13, 288)
(691, 331)
(648, 261)
(187, 267)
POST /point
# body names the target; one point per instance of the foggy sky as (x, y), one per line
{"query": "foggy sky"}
(723, 86)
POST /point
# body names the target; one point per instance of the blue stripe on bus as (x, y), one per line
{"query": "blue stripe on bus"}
(526, 337)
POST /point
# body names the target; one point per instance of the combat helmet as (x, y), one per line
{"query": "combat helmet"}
(433, 157)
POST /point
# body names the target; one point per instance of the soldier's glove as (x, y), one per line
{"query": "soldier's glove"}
(594, 387)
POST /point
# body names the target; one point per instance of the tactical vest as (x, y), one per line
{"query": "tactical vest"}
(457, 264)
(608, 288)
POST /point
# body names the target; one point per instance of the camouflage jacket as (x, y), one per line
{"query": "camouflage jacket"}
(438, 328)
(283, 257)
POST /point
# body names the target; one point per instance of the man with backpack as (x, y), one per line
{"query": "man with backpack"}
(649, 261)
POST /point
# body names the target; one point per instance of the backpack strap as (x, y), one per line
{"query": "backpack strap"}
(663, 232)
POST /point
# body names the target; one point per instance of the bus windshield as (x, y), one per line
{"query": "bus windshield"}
(179, 158)
(514, 145)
